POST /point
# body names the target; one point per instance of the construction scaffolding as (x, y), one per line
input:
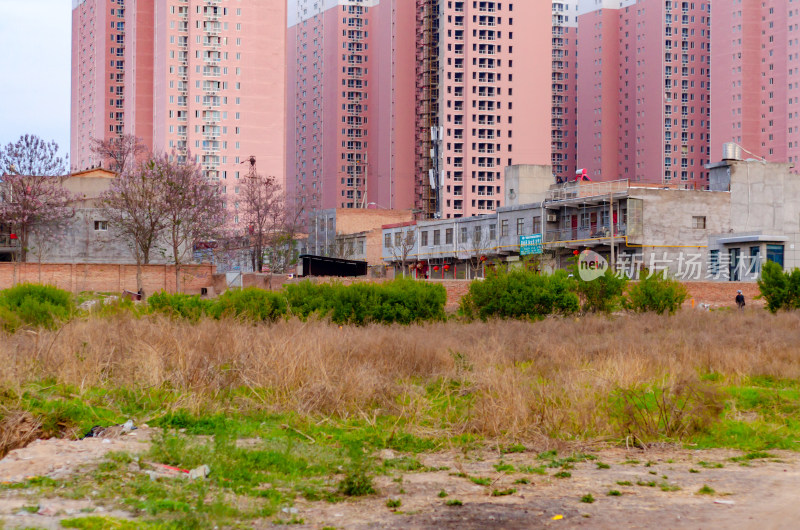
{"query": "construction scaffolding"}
(427, 111)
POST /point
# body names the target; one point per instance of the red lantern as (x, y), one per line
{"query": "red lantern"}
(436, 268)
(575, 252)
(447, 267)
(483, 258)
(13, 236)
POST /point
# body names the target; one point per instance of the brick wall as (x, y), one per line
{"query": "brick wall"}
(107, 277)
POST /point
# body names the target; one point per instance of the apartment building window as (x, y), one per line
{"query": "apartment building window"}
(492, 232)
(520, 226)
(448, 236)
(101, 226)
(437, 239)
(423, 236)
(463, 235)
(387, 241)
(699, 222)
(504, 228)
(537, 225)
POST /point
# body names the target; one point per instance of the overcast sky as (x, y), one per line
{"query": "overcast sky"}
(35, 69)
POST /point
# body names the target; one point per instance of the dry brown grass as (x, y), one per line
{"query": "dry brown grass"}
(547, 378)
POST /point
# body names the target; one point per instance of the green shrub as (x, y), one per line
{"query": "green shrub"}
(256, 305)
(9, 321)
(602, 295)
(34, 305)
(520, 294)
(656, 293)
(402, 301)
(179, 305)
(780, 289)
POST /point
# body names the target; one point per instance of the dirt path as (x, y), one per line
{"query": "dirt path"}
(760, 495)
(659, 489)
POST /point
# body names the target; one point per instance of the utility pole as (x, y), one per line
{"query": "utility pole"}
(611, 222)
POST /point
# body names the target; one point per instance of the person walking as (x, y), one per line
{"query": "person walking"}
(740, 300)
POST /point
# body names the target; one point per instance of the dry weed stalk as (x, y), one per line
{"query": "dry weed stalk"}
(521, 379)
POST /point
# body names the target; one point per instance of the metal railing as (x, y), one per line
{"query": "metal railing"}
(585, 234)
(7, 242)
(577, 190)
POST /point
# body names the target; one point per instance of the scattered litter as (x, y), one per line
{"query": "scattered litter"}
(557, 517)
(728, 503)
(199, 472)
(113, 431)
(290, 510)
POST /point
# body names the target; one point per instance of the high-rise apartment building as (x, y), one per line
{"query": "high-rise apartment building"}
(643, 98)
(564, 140)
(755, 67)
(402, 104)
(351, 103)
(98, 48)
(485, 99)
(205, 78)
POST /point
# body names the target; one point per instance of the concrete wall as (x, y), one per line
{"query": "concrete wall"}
(112, 278)
(526, 184)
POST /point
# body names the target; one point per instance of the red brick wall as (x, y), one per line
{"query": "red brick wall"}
(107, 277)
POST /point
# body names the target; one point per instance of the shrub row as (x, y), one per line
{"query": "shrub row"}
(400, 301)
(526, 294)
(34, 305)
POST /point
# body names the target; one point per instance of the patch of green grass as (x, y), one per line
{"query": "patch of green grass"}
(754, 455)
(614, 493)
(502, 493)
(624, 483)
(503, 467)
(101, 523)
(710, 465)
(514, 448)
(293, 520)
(547, 455)
(563, 474)
(693, 470)
(649, 484)
(631, 462)
(522, 481)
(706, 490)
(538, 470)
(393, 503)
(589, 499)
(403, 463)
(454, 502)
(603, 465)
(442, 494)
(481, 481)
(669, 487)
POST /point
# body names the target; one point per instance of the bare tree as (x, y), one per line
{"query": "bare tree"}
(121, 153)
(194, 210)
(473, 247)
(264, 214)
(135, 207)
(31, 156)
(403, 244)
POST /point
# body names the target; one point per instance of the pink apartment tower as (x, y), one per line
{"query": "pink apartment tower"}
(643, 97)
(755, 66)
(351, 102)
(201, 78)
(416, 103)
(564, 140)
(98, 47)
(484, 100)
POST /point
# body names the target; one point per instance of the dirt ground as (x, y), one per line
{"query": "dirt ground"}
(759, 494)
